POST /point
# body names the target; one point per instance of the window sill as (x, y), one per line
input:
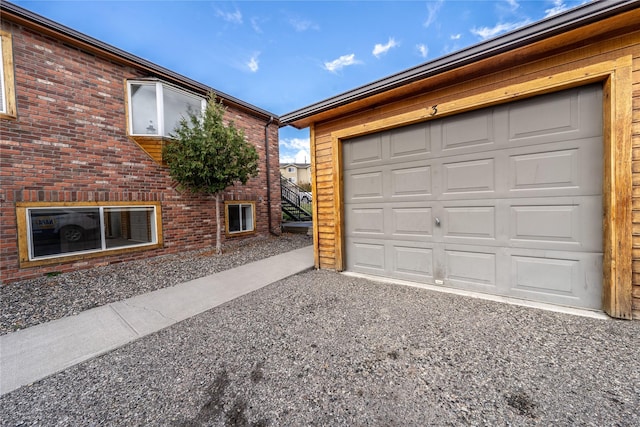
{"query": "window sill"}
(239, 233)
(8, 116)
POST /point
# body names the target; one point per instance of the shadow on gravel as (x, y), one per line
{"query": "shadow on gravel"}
(522, 403)
(215, 406)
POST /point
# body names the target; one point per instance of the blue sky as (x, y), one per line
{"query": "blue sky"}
(285, 55)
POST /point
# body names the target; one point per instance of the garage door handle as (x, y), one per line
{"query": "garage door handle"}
(437, 222)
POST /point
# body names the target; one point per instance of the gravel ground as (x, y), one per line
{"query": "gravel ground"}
(31, 302)
(321, 348)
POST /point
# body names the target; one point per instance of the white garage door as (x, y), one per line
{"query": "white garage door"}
(506, 200)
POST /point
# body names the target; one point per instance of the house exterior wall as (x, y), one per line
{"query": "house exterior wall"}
(301, 173)
(290, 176)
(304, 175)
(69, 144)
(568, 60)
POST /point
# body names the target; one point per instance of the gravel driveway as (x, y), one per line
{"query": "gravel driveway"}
(31, 302)
(322, 348)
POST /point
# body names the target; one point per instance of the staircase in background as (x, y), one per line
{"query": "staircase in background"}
(294, 207)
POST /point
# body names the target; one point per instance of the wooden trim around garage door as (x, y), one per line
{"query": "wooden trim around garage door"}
(616, 77)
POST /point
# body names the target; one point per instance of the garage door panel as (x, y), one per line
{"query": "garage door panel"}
(565, 278)
(470, 222)
(368, 257)
(475, 129)
(467, 267)
(363, 150)
(469, 176)
(367, 220)
(556, 117)
(414, 263)
(558, 223)
(412, 221)
(546, 223)
(548, 275)
(365, 185)
(411, 181)
(557, 169)
(410, 141)
(545, 170)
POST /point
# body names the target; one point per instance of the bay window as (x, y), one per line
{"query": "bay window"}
(156, 108)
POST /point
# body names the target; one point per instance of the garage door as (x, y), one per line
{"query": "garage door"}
(505, 200)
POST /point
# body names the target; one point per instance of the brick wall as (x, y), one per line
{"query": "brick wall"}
(69, 143)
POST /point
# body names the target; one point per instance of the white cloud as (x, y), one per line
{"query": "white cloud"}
(340, 63)
(295, 143)
(255, 24)
(513, 4)
(301, 25)
(558, 7)
(301, 156)
(423, 49)
(233, 17)
(379, 49)
(295, 150)
(432, 9)
(486, 32)
(456, 36)
(253, 63)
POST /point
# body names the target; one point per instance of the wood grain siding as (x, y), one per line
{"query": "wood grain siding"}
(152, 146)
(544, 67)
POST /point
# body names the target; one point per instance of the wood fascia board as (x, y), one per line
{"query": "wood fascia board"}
(617, 77)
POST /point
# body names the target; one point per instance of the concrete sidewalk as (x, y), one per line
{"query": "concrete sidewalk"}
(32, 354)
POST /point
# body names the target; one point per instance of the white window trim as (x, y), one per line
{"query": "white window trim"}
(103, 240)
(159, 105)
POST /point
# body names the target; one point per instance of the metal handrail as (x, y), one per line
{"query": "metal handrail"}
(292, 200)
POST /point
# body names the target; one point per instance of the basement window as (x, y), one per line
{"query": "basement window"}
(7, 86)
(156, 108)
(240, 217)
(74, 230)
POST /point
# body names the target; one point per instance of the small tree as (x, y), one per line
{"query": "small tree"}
(207, 155)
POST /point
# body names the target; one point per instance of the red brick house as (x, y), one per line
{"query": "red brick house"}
(82, 126)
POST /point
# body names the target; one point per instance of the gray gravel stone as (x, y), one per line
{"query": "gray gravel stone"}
(31, 302)
(322, 348)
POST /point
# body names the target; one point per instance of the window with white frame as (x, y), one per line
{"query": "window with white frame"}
(57, 231)
(240, 217)
(156, 108)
